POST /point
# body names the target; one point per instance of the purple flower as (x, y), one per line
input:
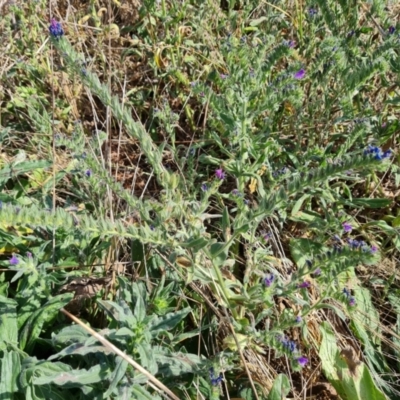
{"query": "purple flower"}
(287, 344)
(55, 29)
(236, 192)
(352, 301)
(220, 174)
(391, 30)
(316, 273)
(88, 173)
(267, 236)
(269, 280)
(374, 249)
(302, 361)
(304, 285)
(347, 227)
(14, 260)
(215, 380)
(204, 187)
(29, 254)
(346, 292)
(223, 76)
(312, 11)
(298, 319)
(300, 74)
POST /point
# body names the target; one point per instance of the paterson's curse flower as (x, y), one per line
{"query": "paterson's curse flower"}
(55, 29)
(269, 280)
(14, 260)
(302, 361)
(220, 174)
(347, 227)
(300, 74)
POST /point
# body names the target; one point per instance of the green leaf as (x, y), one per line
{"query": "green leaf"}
(196, 244)
(280, 389)
(73, 379)
(371, 203)
(351, 384)
(302, 249)
(35, 322)
(117, 375)
(8, 320)
(10, 370)
(167, 321)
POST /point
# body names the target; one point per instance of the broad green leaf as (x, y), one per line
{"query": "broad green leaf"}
(10, 369)
(167, 321)
(70, 334)
(303, 249)
(351, 381)
(371, 203)
(196, 244)
(34, 324)
(117, 375)
(8, 320)
(75, 378)
(280, 388)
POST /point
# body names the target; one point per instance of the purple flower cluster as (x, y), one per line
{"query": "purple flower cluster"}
(215, 380)
(269, 280)
(55, 29)
(377, 152)
(350, 299)
(291, 347)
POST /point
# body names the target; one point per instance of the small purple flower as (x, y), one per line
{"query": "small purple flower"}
(269, 280)
(287, 344)
(215, 380)
(55, 29)
(316, 273)
(220, 174)
(312, 11)
(193, 84)
(391, 30)
(88, 173)
(300, 74)
(267, 236)
(346, 292)
(14, 260)
(387, 154)
(235, 192)
(223, 76)
(302, 361)
(304, 285)
(204, 187)
(352, 301)
(374, 249)
(298, 319)
(347, 227)
(29, 254)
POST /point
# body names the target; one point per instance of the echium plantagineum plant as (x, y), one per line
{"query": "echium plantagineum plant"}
(249, 100)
